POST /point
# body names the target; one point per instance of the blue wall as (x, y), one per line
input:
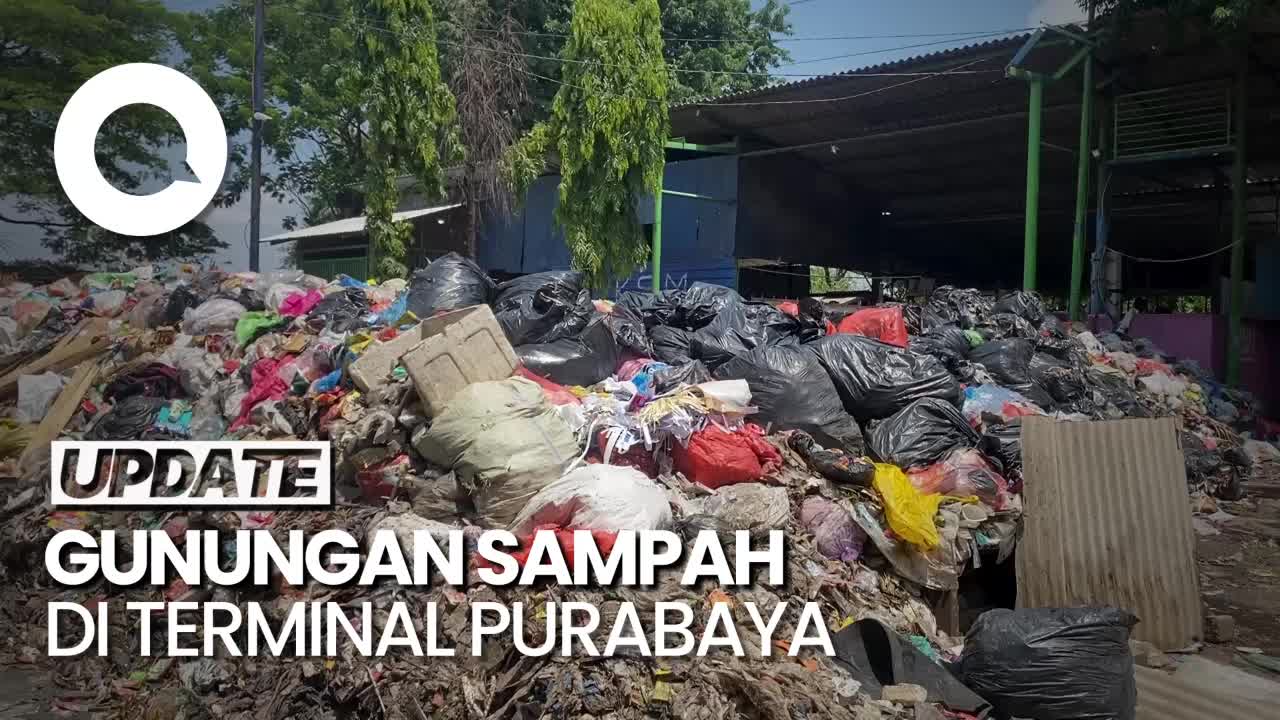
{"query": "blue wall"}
(697, 235)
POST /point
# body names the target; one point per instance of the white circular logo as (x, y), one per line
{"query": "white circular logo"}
(77, 134)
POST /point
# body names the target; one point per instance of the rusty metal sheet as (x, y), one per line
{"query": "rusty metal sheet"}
(1107, 521)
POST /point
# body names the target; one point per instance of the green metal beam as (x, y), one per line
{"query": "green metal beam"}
(721, 149)
(1239, 222)
(1082, 190)
(1070, 64)
(1030, 239)
(656, 264)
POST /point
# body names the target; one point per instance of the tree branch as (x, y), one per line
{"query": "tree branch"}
(37, 223)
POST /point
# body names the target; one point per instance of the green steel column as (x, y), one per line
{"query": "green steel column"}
(1239, 222)
(657, 240)
(1033, 184)
(1082, 190)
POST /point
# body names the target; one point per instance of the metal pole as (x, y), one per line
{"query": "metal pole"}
(657, 238)
(1239, 219)
(255, 198)
(1098, 290)
(1082, 190)
(1033, 184)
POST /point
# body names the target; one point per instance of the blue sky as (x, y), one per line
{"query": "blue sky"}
(812, 18)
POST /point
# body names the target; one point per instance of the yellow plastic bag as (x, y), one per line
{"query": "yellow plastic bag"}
(908, 511)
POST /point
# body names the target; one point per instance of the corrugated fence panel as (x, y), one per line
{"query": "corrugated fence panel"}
(1107, 521)
(1221, 693)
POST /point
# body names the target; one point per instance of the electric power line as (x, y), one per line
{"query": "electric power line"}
(601, 63)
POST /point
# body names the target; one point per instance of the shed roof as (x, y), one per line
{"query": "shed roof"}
(350, 226)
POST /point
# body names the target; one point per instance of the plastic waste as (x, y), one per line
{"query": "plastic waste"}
(255, 323)
(504, 441)
(9, 334)
(716, 457)
(598, 497)
(1003, 444)
(299, 303)
(755, 507)
(36, 393)
(108, 303)
(982, 400)
(920, 434)
(963, 473)
(1026, 305)
(274, 296)
(450, 282)
(1052, 663)
(833, 465)
(835, 534)
(586, 359)
(156, 379)
(29, 312)
(1008, 361)
(129, 419)
(543, 307)
(341, 311)
(876, 380)
(179, 301)
(630, 334)
(218, 315)
(793, 392)
(908, 511)
(64, 288)
(885, 324)
(669, 377)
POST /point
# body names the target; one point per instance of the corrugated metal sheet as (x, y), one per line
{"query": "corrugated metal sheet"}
(1217, 694)
(1108, 522)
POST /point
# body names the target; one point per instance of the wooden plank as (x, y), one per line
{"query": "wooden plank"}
(61, 412)
(91, 340)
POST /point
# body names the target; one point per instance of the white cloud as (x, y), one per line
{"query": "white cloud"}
(1055, 12)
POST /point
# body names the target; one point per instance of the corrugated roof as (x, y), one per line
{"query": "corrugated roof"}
(1108, 522)
(1203, 689)
(351, 226)
(889, 66)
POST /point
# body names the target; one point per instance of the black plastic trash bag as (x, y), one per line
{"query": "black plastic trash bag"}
(920, 434)
(1064, 383)
(1008, 361)
(448, 283)
(340, 311)
(129, 419)
(176, 306)
(716, 348)
(652, 310)
(586, 359)
(1115, 390)
(964, 307)
(877, 656)
(543, 307)
(1052, 663)
(701, 303)
(672, 377)
(1026, 305)
(1007, 325)
(833, 465)
(876, 380)
(794, 392)
(630, 334)
(1003, 444)
(671, 345)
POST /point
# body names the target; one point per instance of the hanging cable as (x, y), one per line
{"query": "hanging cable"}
(1211, 253)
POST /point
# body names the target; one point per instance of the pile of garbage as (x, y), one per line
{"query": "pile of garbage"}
(884, 442)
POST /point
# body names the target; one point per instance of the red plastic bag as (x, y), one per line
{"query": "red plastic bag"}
(963, 473)
(885, 324)
(790, 308)
(1147, 366)
(555, 392)
(715, 458)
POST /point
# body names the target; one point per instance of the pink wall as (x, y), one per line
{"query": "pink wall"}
(1202, 337)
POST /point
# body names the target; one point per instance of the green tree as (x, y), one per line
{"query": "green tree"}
(719, 46)
(409, 111)
(48, 49)
(608, 127)
(1224, 15)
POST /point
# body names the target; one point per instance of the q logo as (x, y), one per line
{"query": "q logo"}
(77, 134)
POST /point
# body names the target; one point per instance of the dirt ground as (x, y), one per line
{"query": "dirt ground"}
(1240, 570)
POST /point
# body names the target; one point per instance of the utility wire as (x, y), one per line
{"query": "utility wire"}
(1211, 253)
(389, 31)
(793, 38)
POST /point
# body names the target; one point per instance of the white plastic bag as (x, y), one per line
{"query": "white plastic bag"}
(748, 506)
(277, 293)
(218, 315)
(598, 497)
(36, 393)
(109, 303)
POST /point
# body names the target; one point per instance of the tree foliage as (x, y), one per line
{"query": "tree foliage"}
(1225, 15)
(409, 112)
(48, 49)
(608, 126)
